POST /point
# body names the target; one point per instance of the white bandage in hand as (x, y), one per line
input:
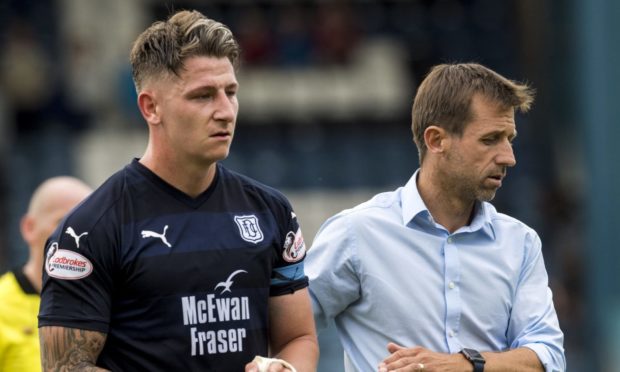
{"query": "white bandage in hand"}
(263, 363)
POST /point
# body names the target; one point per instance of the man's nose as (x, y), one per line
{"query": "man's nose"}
(225, 107)
(506, 156)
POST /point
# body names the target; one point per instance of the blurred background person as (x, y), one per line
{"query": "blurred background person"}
(20, 288)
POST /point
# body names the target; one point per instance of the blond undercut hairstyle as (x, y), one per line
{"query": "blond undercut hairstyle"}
(163, 47)
(444, 98)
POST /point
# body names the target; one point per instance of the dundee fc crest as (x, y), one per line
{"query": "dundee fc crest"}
(249, 229)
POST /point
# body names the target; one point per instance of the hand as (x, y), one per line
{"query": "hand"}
(261, 364)
(420, 359)
(273, 367)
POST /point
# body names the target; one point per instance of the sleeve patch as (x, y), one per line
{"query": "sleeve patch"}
(65, 264)
(294, 246)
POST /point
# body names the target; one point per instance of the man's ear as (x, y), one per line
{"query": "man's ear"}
(27, 227)
(435, 139)
(147, 104)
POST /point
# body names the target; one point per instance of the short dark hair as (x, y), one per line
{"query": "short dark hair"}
(164, 46)
(444, 98)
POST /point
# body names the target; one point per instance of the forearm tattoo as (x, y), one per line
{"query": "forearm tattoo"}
(70, 349)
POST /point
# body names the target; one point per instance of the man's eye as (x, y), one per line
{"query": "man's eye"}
(201, 96)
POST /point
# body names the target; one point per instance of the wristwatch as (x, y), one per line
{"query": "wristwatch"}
(475, 358)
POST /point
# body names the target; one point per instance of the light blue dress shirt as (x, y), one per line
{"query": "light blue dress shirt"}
(386, 272)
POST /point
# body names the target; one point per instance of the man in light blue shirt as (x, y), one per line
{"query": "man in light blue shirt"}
(430, 276)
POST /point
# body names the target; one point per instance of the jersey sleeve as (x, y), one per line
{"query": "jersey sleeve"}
(288, 273)
(78, 274)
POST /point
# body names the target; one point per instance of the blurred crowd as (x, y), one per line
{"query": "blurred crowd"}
(328, 89)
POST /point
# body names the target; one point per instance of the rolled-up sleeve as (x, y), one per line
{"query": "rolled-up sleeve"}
(534, 322)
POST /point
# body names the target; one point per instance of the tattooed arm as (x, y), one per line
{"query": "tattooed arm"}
(70, 349)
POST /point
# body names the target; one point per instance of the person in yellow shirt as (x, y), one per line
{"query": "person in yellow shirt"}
(20, 288)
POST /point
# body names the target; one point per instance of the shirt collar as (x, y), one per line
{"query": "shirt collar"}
(24, 282)
(412, 201)
(414, 207)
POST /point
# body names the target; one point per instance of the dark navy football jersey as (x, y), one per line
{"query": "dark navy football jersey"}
(176, 283)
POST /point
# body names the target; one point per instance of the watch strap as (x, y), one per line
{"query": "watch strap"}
(475, 358)
(478, 366)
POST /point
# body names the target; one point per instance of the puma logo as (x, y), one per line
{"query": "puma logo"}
(153, 234)
(75, 236)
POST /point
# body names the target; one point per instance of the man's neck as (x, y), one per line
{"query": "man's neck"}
(32, 271)
(191, 180)
(448, 210)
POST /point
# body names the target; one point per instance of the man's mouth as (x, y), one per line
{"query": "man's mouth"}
(223, 134)
(496, 179)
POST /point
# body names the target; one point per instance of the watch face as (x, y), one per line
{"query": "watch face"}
(473, 355)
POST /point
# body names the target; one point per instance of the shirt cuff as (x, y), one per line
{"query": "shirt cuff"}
(545, 357)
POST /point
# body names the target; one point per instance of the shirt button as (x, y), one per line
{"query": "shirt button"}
(451, 334)
(451, 285)
(450, 240)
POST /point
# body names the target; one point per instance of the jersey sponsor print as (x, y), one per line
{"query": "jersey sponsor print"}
(212, 308)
